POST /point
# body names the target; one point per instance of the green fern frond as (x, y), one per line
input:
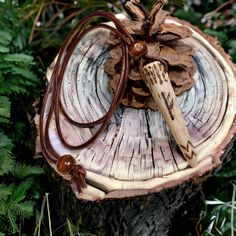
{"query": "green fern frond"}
(5, 36)
(23, 170)
(18, 86)
(5, 142)
(6, 161)
(20, 191)
(5, 191)
(12, 220)
(12, 87)
(5, 107)
(19, 58)
(24, 209)
(4, 49)
(24, 73)
(3, 207)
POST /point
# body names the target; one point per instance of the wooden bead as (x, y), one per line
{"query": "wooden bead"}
(138, 49)
(65, 163)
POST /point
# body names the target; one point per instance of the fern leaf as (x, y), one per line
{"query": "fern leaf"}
(4, 120)
(24, 73)
(5, 107)
(7, 162)
(12, 220)
(2, 234)
(13, 86)
(5, 191)
(24, 209)
(20, 191)
(4, 49)
(18, 57)
(3, 207)
(5, 36)
(23, 170)
(5, 142)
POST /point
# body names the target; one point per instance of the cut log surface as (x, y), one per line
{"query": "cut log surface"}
(137, 154)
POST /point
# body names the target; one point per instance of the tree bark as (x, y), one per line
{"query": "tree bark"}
(171, 212)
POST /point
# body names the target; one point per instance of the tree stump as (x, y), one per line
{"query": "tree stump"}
(136, 175)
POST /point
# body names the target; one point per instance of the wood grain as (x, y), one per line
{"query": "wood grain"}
(137, 154)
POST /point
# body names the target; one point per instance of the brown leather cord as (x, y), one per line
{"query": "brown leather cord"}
(66, 60)
(54, 106)
(106, 118)
(54, 88)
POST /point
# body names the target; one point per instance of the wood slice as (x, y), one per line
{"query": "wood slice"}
(136, 154)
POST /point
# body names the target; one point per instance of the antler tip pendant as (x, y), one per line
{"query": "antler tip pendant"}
(162, 91)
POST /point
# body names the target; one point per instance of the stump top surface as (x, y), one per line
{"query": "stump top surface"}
(137, 154)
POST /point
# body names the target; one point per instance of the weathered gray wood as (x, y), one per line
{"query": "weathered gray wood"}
(136, 154)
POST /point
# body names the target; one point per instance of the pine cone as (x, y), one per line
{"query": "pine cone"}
(164, 42)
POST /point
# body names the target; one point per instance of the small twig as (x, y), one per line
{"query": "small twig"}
(68, 18)
(41, 62)
(27, 16)
(60, 3)
(222, 6)
(49, 217)
(198, 224)
(225, 4)
(57, 14)
(35, 21)
(41, 215)
(45, 200)
(232, 210)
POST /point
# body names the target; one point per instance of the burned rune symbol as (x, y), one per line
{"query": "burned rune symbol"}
(169, 103)
(189, 153)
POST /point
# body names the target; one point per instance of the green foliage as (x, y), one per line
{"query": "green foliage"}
(190, 15)
(221, 218)
(7, 161)
(5, 107)
(54, 20)
(22, 170)
(13, 206)
(220, 24)
(13, 197)
(19, 86)
(71, 228)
